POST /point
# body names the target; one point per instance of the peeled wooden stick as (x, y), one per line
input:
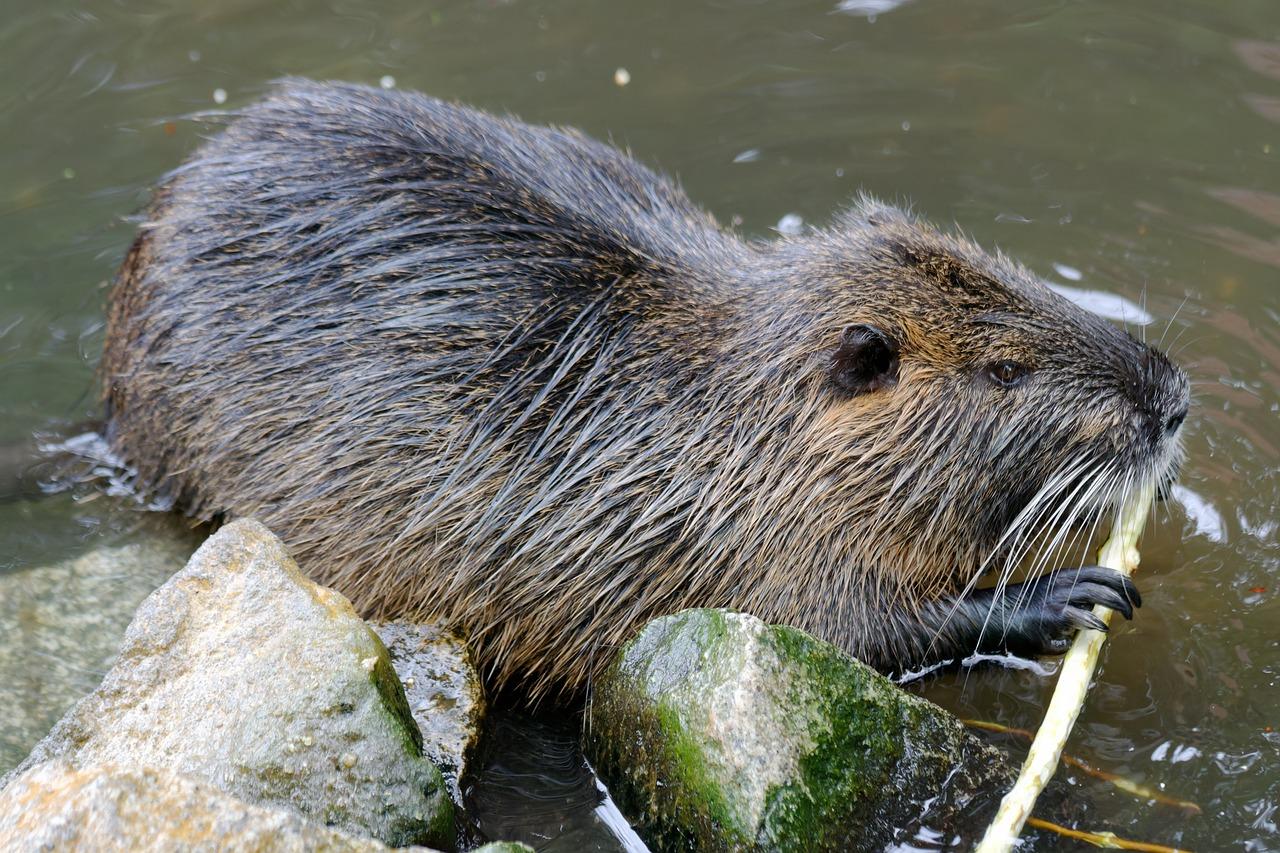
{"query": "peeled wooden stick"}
(1121, 553)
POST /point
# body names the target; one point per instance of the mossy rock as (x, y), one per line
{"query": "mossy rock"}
(715, 731)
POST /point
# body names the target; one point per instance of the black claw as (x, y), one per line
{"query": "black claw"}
(1109, 578)
(1087, 594)
(1131, 593)
(1085, 619)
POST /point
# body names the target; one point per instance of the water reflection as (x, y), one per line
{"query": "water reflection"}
(1207, 520)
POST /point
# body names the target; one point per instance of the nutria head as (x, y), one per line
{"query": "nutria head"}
(969, 407)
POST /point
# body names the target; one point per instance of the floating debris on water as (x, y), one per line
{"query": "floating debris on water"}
(621, 77)
(387, 81)
(219, 96)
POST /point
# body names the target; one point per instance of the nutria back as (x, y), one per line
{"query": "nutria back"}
(503, 374)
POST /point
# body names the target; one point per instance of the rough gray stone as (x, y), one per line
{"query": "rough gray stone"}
(62, 623)
(444, 692)
(241, 672)
(715, 731)
(54, 807)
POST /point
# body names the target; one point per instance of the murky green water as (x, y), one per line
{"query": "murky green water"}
(1129, 148)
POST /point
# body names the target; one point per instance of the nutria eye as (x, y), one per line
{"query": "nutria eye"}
(1007, 374)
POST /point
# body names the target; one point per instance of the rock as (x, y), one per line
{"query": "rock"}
(55, 807)
(62, 622)
(444, 692)
(241, 672)
(717, 732)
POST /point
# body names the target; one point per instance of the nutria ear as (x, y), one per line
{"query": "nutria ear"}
(865, 360)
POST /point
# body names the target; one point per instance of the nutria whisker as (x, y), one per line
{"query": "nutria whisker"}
(1058, 526)
(1093, 489)
(1021, 531)
(1041, 515)
(1172, 319)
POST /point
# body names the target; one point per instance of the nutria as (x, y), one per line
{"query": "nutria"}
(503, 374)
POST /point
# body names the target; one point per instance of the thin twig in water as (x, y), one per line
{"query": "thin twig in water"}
(1138, 790)
(1103, 839)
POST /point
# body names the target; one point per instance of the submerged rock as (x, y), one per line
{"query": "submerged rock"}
(716, 731)
(62, 622)
(241, 672)
(444, 693)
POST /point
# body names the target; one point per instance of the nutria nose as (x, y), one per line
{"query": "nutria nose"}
(1160, 391)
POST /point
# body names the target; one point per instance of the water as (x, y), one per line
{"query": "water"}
(1129, 150)
(535, 786)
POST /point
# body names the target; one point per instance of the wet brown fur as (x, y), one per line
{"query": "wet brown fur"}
(471, 368)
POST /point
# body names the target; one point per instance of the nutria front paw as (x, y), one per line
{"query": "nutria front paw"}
(1041, 616)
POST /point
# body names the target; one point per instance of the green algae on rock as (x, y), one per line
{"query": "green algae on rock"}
(241, 672)
(715, 731)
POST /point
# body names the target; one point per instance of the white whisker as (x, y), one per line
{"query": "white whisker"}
(1059, 525)
(1169, 325)
(1026, 518)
